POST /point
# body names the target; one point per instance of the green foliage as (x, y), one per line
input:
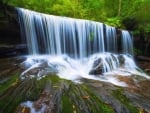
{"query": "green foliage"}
(143, 14)
(114, 21)
(111, 12)
(137, 51)
(132, 15)
(135, 32)
(147, 29)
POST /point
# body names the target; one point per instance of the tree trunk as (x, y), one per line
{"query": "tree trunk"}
(119, 8)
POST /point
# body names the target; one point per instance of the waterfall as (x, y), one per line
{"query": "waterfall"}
(111, 40)
(54, 35)
(127, 44)
(74, 46)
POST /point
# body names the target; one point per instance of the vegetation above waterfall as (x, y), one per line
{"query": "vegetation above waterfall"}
(132, 14)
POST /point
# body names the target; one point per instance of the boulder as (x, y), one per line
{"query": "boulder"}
(97, 67)
(121, 60)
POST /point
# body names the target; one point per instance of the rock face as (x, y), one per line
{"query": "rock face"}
(9, 27)
(10, 39)
(12, 50)
(142, 44)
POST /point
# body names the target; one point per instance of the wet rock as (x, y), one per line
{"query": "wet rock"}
(23, 109)
(4, 80)
(138, 100)
(12, 50)
(97, 67)
(147, 70)
(38, 70)
(104, 91)
(142, 58)
(128, 80)
(144, 63)
(121, 60)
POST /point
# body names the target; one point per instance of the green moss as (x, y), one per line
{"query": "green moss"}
(39, 86)
(125, 101)
(13, 91)
(9, 83)
(84, 100)
(67, 105)
(102, 107)
(9, 103)
(73, 98)
(19, 92)
(51, 77)
(35, 91)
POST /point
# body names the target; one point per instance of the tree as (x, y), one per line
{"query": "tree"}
(111, 12)
(119, 8)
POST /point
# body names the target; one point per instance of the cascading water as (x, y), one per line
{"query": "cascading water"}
(73, 48)
(127, 44)
(60, 35)
(111, 40)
